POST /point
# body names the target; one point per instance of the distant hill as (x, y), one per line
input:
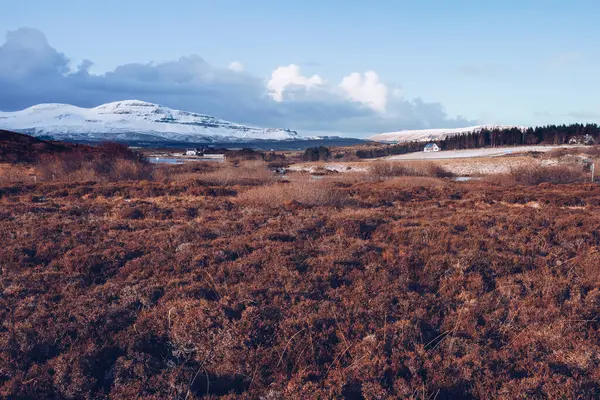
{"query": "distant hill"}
(17, 147)
(422, 135)
(133, 120)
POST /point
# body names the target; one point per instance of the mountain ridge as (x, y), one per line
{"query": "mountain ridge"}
(132, 120)
(434, 134)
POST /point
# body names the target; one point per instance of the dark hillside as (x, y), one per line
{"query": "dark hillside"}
(17, 147)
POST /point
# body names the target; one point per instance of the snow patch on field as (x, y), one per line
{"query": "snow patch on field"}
(315, 168)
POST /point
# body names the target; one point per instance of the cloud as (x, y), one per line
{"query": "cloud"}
(284, 77)
(369, 91)
(32, 72)
(236, 66)
(27, 52)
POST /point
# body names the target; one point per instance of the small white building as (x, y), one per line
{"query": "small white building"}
(429, 147)
(191, 152)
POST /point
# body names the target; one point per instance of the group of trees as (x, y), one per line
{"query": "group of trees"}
(320, 153)
(549, 134)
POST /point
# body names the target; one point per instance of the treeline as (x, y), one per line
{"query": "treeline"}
(549, 134)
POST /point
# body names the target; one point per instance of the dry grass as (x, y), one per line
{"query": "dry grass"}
(410, 182)
(385, 170)
(242, 173)
(537, 174)
(58, 169)
(184, 171)
(106, 163)
(591, 151)
(408, 287)
(303, 191)
(11, 173)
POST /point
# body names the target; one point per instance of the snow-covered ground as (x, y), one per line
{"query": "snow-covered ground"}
(433, 134)
(132, 120)
(475, 162)
(487, 152)
(332, 167)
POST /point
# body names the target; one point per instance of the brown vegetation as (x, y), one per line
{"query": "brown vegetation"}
(16, 147)
(217, 281)
(535, 174)
(107, 162)
(591, 151)
(303, 191)
(382, 170)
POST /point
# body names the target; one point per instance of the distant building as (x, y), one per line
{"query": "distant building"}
(191, 152)
(429, 147)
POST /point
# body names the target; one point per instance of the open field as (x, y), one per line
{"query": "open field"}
(483, 152)
(213, 282)
(474, 166)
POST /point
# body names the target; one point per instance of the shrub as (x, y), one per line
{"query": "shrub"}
(129, 170)
(590, 151)
(373, 290)
(536, 174)
(320, 153)
(239, 173)
(302, 191)
(384, 170)
(10, 173)
(107, 162)
(183, 172)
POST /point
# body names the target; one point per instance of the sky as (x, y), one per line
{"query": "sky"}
(351, 67)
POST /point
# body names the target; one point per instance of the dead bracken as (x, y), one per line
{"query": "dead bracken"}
(219, 282)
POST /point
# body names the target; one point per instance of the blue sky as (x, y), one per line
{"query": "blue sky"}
(436, 63)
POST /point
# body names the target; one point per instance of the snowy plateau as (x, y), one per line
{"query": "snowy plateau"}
(133, 120)
(434, 134)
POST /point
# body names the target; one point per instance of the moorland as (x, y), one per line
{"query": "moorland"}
(124, 280)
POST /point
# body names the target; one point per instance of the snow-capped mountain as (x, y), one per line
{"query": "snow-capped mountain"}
(433, 134)
(132, 120)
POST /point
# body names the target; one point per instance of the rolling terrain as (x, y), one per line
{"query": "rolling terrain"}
(123, 280)
(132, 120)
(424, 135)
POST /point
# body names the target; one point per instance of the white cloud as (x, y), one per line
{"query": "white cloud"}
(368, 91)
(236, 66)
(282, 77)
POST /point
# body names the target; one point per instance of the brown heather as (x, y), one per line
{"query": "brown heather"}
(383, 169)
(537, 174)
(216, 281)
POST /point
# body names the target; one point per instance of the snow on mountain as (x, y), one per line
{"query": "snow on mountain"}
(132, 120)
(433, 134)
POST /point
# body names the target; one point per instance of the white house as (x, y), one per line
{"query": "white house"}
(191, 152)
(429, 147)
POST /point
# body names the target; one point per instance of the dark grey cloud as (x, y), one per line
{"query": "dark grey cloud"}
(27, 53)
(33, 72)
